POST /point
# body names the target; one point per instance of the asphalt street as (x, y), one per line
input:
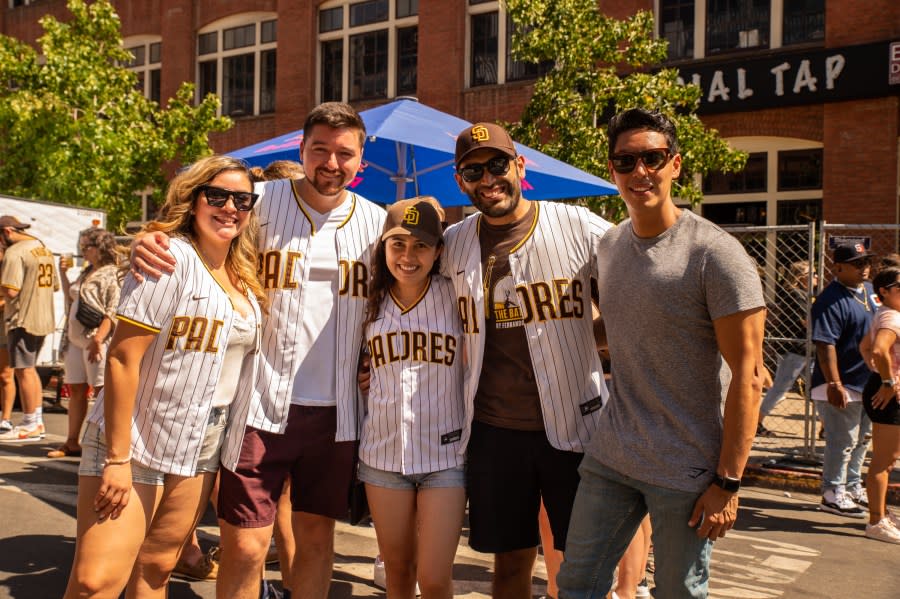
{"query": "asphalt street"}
(782, 546)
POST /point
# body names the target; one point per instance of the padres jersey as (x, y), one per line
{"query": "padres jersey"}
(29, 269)
(415, 409)
(551, 271)
(284, 239)
(192, 316)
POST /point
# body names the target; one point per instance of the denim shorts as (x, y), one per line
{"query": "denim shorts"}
(442, 479)
(93, 451)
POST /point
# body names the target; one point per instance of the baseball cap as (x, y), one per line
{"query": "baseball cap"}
(484, 135)
(421, 216)
(11, 221)
(849, 252)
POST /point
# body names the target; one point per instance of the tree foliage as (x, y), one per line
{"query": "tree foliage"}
(75, 129)
(567, 115)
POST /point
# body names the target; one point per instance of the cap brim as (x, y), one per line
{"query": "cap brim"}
(429, 239)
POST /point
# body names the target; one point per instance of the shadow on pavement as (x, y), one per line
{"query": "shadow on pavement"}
(758, 514)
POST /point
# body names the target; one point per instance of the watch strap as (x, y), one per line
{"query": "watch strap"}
(732, 485)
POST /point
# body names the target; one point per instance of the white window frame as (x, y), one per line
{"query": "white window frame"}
(776, 27)
(771, 146)
(392, 24)
(220, 25)
(502, 50)
(144, 71)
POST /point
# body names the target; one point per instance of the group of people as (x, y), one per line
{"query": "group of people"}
(293, 331)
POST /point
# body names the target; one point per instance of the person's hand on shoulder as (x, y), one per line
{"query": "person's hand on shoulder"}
(150, 255)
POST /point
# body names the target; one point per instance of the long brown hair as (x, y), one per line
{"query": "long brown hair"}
(175, 218)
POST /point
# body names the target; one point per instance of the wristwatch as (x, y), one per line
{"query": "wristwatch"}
(727, 483)
(887, 382)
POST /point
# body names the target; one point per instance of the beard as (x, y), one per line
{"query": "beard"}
(497, 208)
(326, 186)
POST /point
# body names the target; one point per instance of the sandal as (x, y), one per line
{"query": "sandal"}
(64, 451)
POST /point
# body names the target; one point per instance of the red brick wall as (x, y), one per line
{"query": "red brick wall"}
(801, 122)
(442, 55)
(848, 23)
(861, 140)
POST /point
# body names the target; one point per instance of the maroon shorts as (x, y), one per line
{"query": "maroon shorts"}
(320, 470)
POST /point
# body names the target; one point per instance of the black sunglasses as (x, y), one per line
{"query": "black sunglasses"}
(217, 197)
(625, 162)
(474, 171)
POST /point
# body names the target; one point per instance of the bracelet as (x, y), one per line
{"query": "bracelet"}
(834, 384)
(120, 462)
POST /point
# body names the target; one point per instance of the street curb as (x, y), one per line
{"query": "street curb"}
(759, 474)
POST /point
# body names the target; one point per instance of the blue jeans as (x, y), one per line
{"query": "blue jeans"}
(608, 509)
(790, 366)
(845, 444)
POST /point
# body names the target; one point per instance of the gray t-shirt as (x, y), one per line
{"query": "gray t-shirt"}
(659, 297)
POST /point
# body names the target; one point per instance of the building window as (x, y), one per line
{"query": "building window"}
(799, 170)
(750, 180)
(367, 50)
(237, 61)
(484, 46)
(368, 65)
(734, 24)
(697, 28)
(676, 26)
(490, 47)
(146, 63)
(781, 184)
(803, 21)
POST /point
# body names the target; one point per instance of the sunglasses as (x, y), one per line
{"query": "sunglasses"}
(625, 162)
(474, 171)
(217, 197)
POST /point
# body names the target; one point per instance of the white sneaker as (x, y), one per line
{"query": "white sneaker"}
(5, 426)
(858, 496)
(379, 578)
(837, 502)
(883, 531)
(894, 518)
(20, 434)
(643, 589)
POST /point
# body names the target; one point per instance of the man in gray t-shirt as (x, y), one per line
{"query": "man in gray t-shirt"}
(684, 314)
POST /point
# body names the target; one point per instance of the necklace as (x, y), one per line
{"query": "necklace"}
(864, 301)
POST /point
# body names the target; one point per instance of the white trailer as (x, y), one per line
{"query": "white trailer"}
(58, 226)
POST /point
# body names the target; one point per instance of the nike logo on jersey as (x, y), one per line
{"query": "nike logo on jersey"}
(199, 297)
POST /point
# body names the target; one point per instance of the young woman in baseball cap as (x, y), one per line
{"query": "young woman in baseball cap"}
(410, 448)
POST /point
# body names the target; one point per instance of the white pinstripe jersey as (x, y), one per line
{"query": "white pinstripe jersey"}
(192, 315)
(415, 409)
(552, 270)
(285, 235)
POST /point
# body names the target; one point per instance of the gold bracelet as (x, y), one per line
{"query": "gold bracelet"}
(121, 462)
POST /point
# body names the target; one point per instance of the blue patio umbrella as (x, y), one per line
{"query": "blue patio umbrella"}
(409, 151)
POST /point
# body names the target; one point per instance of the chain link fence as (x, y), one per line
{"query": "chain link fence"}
(795, 264)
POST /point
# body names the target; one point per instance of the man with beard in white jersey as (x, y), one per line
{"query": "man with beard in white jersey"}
(315, 240)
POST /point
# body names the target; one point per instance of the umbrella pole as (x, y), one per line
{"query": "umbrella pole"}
(415, 171)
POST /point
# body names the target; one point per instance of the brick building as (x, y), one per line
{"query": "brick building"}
(811, 88)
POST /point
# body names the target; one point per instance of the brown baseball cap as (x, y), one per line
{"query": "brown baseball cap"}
(12, 222)
(421, 216)
(484, 135)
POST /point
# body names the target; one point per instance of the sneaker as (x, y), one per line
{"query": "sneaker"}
(5, 426)
(859, 497)
(893, 518)
(19, 434)
(379, 578)
(883, 531)
(643, 589)
(837, 502)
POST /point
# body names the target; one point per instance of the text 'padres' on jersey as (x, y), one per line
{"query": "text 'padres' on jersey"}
(416, 411)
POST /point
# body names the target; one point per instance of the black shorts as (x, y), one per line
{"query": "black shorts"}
(507, 474)
(889, 414)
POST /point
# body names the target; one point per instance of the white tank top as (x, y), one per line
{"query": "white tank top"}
(241, 338)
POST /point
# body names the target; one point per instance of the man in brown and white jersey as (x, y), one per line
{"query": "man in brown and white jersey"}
(27, 281)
